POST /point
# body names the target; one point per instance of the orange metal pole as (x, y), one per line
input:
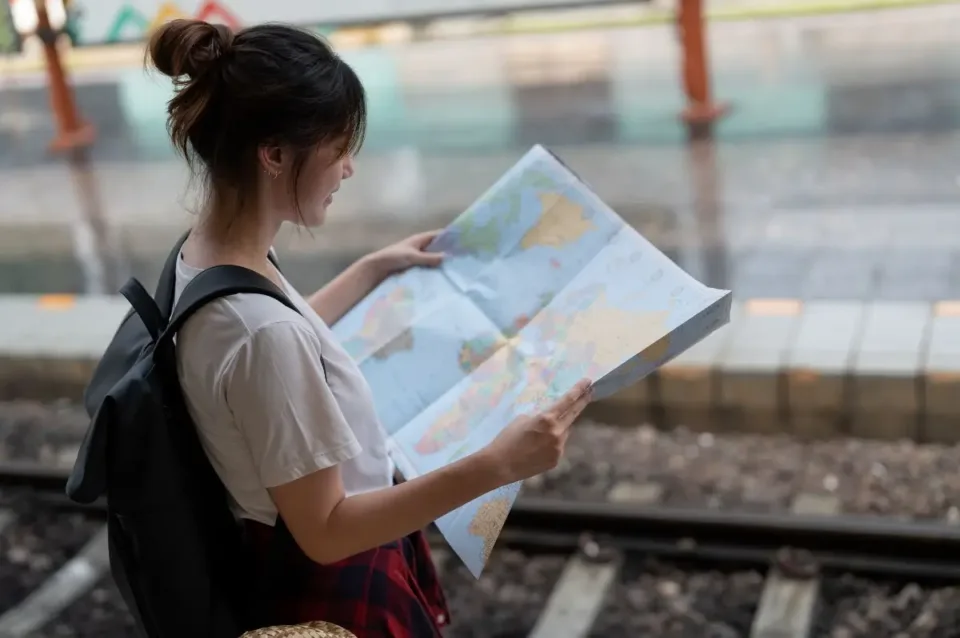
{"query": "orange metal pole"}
(700, 108)
(72, 131)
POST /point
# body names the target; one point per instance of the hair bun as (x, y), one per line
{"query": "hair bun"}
(188, 47)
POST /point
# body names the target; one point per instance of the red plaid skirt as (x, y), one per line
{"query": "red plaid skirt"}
(389, 592)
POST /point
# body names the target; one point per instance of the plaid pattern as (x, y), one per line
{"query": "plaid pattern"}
(388, 592)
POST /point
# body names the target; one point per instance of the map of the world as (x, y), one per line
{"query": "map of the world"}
(543, 285)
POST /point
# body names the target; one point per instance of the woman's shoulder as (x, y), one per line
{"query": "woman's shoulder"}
(224, 326)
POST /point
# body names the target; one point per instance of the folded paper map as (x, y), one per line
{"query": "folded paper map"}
(542, 285)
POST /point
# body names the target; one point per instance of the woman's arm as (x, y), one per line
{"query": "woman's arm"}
(328, 526)
(346, 289)
(340, 295)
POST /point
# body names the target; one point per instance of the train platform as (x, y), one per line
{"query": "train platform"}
(874, 369)
(827, 201)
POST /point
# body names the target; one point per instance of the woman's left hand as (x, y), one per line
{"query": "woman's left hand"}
(406, 253)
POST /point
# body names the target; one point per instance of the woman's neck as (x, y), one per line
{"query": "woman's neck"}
(244, 241)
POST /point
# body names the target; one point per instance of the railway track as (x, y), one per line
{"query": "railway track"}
(598, 552)
(49, 557)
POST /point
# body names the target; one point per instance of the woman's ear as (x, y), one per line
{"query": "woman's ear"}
(271, 160)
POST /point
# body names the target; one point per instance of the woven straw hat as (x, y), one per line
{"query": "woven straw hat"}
(314, 629)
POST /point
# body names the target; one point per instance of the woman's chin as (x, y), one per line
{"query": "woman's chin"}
(315, 222)
(314, 219)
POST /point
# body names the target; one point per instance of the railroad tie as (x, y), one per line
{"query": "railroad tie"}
(579, 595)
(789, 601)
(6, 518)
(440, 556)
(72, 580)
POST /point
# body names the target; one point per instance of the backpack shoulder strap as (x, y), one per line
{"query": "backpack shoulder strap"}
(144, 306)
(166, 283)
(216, 282)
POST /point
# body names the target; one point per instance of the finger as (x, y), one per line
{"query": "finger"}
(428, 259)
(574, 410)
(422, 240)
(570, 398)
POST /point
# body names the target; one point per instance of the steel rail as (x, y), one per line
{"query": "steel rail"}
(876, 546)
(36, 476)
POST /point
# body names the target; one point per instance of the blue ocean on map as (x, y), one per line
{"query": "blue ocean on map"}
(535, 226)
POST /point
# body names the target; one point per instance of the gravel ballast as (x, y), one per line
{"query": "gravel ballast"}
(659, 599)
(101, 612)
(507, 598)
(43, 433)
(648, 598)
(761, 473)
(692, 469)
(689, 468)
(855, 607)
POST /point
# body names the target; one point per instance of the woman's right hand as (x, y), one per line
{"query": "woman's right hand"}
(530, 445)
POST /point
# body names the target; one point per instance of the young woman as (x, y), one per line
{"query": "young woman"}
(270, 117)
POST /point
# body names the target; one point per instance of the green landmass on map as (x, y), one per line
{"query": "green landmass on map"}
(485, 238)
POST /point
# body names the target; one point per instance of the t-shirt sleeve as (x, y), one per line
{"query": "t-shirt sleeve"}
(283, 406)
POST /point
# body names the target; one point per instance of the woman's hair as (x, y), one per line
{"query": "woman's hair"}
(267, 84)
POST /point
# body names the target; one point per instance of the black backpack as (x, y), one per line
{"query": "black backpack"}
(176, 551)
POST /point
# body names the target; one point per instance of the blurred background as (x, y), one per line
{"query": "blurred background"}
(801, 153)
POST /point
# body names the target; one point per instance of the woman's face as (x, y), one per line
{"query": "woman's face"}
(319, 180)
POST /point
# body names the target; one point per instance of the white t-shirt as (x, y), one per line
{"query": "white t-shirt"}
(252, 373)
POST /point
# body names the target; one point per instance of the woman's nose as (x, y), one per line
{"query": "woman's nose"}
(348, 167)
